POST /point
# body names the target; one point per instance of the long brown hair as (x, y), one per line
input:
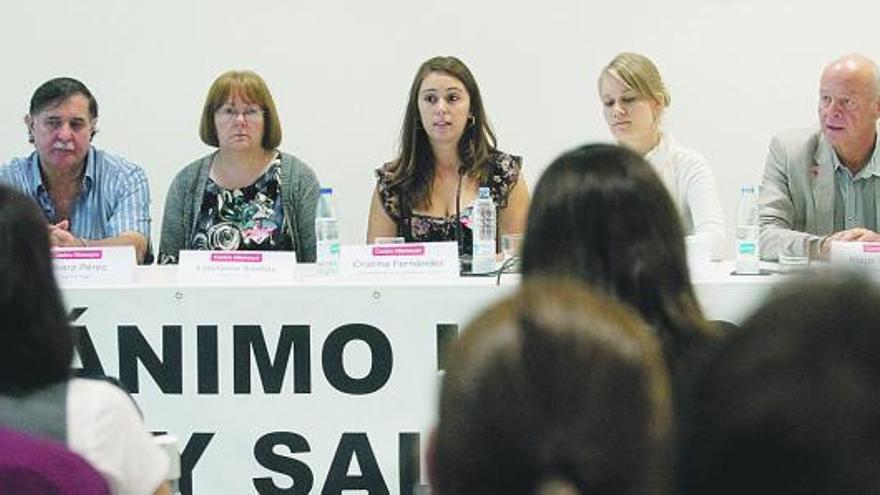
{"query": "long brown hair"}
(600, 214)
(36, 342)
(412, 172)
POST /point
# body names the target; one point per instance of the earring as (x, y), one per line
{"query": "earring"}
(471, 120)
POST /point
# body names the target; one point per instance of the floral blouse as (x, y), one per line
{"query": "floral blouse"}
(250, 218)
(504, 171)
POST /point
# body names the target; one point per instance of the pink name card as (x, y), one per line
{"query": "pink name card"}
(236, 266)
(94, 266)
(856, 254)
(434, 260)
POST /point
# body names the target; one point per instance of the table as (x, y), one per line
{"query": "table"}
(319, 384)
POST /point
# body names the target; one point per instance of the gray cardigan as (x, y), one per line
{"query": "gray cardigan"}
(299, 189)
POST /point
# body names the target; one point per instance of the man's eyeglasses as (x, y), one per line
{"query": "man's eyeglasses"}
(229, 114)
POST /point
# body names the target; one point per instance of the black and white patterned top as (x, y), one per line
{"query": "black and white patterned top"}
(417, 227)
(250, 218)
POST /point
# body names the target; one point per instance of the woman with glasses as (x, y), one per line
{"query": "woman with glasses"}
(247, 195)
(447, 151)
(633, 99)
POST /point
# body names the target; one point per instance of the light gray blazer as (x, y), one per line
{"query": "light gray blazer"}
(797, 192)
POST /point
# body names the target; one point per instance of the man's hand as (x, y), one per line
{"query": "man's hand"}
(59, 235)
(852, 235)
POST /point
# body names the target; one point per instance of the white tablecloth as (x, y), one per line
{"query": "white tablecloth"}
(350, 391)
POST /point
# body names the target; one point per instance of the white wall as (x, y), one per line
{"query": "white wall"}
(738, 70)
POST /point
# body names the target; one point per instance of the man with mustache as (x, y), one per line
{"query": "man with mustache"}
(88, 196)
(823, 185)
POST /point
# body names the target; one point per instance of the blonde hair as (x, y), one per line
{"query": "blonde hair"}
(639, 73)
(250, 86)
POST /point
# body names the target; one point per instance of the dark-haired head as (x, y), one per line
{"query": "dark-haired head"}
(555, 389)
(791, 402)
(55, 91)
(413, 170)
(600, 214)
(36, 344)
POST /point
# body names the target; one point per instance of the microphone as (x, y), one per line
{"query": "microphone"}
(464, 260)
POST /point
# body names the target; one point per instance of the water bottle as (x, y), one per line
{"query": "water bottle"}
(327, 234)
(748, 253)
(484, 233)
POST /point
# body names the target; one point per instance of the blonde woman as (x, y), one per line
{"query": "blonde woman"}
(634, 98)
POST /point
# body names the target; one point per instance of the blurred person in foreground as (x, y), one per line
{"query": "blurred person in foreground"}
(556, 389)
(38, 396)
(791, 402)
(601, 215)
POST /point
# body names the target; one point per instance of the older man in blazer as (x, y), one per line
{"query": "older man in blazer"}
(823, 185)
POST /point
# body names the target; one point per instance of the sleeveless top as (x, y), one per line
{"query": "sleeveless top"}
(504, 171)
(250, 218)
(42, 412)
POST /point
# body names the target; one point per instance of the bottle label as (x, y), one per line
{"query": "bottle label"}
(328, 251)
(748, 248)
(483, 248)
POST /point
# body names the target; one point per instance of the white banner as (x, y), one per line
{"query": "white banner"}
(308, 389)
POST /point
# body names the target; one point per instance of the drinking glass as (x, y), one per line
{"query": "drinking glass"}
(389, 240)
(796, 252)
(511, 245)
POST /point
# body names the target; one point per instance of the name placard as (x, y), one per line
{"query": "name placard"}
(236, 266)
(856, 254)
(94, 266)
(434, 259)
